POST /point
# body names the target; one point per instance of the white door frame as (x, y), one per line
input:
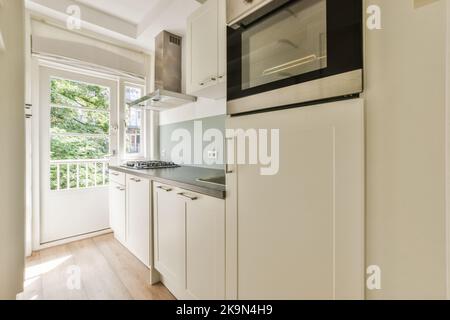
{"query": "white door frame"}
(37, 65)
(447, 151)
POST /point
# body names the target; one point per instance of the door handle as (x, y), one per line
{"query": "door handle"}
(192, 198)
(164, 188)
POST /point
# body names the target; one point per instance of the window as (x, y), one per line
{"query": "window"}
(79, 134)
(134, 124)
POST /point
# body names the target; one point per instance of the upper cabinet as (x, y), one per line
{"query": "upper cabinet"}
(206, 51)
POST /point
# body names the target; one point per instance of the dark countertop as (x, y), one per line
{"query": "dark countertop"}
(182, 177)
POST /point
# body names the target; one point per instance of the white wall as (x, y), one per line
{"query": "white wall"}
(12, 144)
(203, 108)
(406, 104)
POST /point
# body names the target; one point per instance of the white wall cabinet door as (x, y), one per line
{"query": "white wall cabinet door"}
(169, 225)
(205, 247)
(138, 218)
(117, 207)
(222, 43)
(206, 51)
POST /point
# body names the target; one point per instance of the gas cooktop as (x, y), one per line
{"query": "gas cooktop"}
(145, 165)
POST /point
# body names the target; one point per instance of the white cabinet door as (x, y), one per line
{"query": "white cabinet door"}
(203, 45)
(138, 218)
(205, 247)
(222, 43)
(299, 234)
(169, 225)
(117, 207)
(206, 51)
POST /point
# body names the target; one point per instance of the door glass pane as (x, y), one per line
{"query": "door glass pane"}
(68, 120)
(79, 134)
(78, 94)
(291, 42)
(78, 148)
(133, 119)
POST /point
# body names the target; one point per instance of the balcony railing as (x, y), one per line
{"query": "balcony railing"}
(78, 174)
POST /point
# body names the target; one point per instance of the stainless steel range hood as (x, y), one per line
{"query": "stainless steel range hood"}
(167, 76)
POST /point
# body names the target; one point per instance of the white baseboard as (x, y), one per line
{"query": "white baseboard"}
(73, 239)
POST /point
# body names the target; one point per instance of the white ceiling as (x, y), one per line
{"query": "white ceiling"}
(134, 22)
(133, 11)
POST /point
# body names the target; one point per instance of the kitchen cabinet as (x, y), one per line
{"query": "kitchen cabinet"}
(205, 247)
(190, 243)
(117, 205)
(299, 234)
(169, 224)
(206, 51)
(117, 177)
(138, 218)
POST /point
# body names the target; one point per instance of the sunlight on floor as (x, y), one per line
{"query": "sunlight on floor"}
(34, 272)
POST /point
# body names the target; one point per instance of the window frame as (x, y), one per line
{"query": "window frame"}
(123, 127)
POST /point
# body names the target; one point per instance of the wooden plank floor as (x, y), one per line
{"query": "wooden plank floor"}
(108, 272)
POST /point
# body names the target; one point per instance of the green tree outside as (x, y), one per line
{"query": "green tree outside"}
(80, 124)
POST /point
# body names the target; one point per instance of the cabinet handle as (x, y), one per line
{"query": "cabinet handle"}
(115, 174)
(164, 188)
(135, 179)
(192, 198)
(227, 165)
(212, 79)
(120, 188)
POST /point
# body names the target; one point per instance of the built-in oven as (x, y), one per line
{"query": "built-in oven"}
(289, 52)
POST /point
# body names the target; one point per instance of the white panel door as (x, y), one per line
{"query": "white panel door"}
(205, 247)
(299, 234)
(74, 188)
(139, 218)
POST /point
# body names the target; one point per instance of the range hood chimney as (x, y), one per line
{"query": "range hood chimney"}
(167, 76)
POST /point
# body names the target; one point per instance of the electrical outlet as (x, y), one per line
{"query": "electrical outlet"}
(212, 155)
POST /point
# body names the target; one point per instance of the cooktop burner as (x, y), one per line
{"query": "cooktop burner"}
(144, 165)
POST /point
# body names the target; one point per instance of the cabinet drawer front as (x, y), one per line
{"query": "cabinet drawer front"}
(117, 177)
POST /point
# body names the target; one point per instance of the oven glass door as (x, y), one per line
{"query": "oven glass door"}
(300, 41)
(291, 42)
